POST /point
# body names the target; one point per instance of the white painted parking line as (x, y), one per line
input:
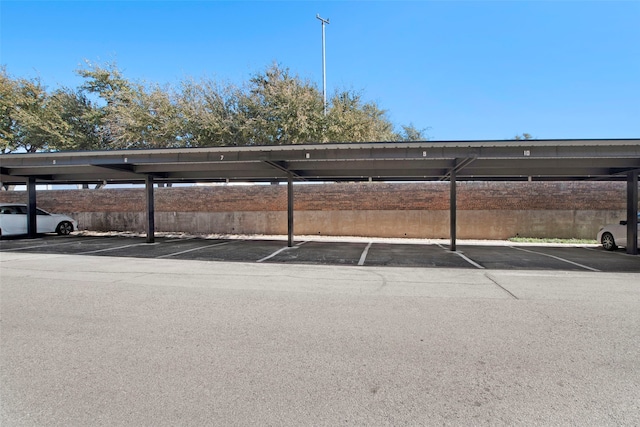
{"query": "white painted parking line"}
(282, 250)
(613, 253)
(109, 249)
(276, 253)
(469, 260)
(364, 254)
(47, 245)
(179, 239)
(192, 250)
(586, 267)
(463, 256)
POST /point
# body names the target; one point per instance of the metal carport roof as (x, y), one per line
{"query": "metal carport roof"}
(578, 159)
(471, 160)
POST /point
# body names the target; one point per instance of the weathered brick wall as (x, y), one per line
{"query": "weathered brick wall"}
(486, 209)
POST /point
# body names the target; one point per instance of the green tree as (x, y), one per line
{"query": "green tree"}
(350, 119)
(8, 102)
(148, 119)
(106, 81)
(524, 136)
(109, 85)
(79, 121)
(411, 133)
(30, 121)
(210, 113)
(133, 116)
(109, 111)
(280, 108)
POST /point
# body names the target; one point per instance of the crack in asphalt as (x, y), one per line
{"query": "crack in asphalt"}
(488, 276)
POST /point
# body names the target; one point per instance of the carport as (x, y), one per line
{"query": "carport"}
(532, 160)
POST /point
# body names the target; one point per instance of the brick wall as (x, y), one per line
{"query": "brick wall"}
(486, 209)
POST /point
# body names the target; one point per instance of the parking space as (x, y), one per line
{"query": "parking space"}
(232, 250)
(339, 252)
(530, 258)
(342, 253)
(598, 258)
(402, 255)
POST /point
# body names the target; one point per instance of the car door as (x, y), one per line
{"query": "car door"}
(46, 222)
(14, 220)
(620, 234)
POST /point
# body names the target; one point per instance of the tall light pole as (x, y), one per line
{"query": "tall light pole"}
(324, 67)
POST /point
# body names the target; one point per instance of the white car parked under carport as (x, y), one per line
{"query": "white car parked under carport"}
(13, 221)
(614, 235)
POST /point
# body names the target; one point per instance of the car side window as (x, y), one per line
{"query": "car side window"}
(11, 210)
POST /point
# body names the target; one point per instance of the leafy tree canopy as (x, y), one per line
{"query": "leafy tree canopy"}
(109, 111)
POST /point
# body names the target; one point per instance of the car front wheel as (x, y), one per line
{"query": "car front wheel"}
(608, 242)
(64, 228)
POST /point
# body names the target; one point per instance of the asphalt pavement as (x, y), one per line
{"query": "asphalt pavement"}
(92, 339)
(316, 250)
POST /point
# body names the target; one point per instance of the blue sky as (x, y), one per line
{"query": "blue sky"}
(468, 70)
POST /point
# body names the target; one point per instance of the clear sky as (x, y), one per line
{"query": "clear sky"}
(465, 69)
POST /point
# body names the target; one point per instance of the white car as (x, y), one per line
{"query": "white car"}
(13, 221)
(613, 235)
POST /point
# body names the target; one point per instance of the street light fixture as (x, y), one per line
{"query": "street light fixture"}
(324, 67)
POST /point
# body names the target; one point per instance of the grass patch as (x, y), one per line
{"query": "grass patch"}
(553, 240)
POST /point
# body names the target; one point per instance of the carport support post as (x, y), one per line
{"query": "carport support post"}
(151, 226)
(632, 213)
(290, 208)
(452, 209)
(32, 224)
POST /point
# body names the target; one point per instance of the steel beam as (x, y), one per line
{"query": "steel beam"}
(632, 212)
(290, 208)
(452, 209)
(459, 165)
(151, 226)
(32, 219)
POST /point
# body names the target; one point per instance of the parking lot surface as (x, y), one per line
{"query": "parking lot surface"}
(358, 252)
(116, 332)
